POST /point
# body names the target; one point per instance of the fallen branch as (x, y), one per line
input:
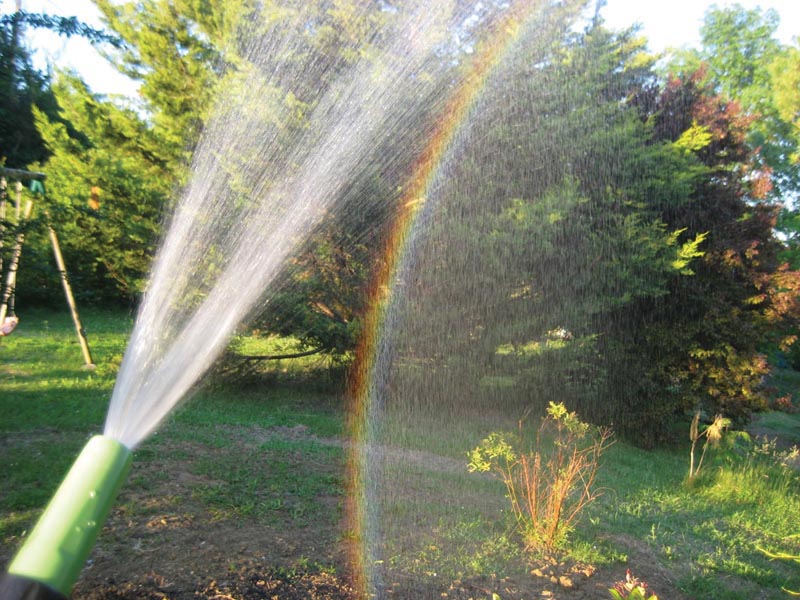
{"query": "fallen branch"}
(250, 357)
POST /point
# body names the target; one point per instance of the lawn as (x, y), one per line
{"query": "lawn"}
(242, 493)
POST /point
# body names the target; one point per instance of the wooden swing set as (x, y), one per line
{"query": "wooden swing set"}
(16, 227)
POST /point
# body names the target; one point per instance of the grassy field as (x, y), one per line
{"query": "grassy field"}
(253, 457)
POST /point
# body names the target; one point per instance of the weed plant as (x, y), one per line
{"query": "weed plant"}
(551, 483)
(632, 588)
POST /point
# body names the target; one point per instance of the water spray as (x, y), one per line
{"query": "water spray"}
(50, 561)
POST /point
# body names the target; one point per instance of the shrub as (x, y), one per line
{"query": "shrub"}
(549, 482)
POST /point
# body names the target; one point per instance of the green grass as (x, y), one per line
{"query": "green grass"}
(782, 424)
(314, 372)
(264, 483)
(286, 407)
(44, 381)
(709, 535)
(51, 404)
(708, 532)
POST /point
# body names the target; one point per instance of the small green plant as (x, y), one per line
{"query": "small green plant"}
(548, 489)
(712, 434)
(632, 588)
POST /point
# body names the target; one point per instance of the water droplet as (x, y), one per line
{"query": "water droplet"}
(92, 494)
(91, 524)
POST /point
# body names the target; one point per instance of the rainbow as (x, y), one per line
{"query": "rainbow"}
(455, 114)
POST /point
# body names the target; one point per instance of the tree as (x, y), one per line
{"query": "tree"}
(544, 235)
(29, 106)
(129, 165)
(736, 45)
(741, 55)
(744, 61)
(175, 50)
(741, 295)
(785, 77)
(107, 190)
(609, 243)
(21, 88)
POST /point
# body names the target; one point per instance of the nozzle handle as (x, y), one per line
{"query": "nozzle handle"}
(14, 587)
(55, 551)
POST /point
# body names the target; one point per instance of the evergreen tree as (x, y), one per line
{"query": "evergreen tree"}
(620, 257)
(107, 187)
(22, 87)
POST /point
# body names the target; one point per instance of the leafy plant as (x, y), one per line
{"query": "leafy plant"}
(632, 588)
(766, 450)
(548, 489)
(712, 434)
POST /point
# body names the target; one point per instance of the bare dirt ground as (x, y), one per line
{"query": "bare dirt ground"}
(162, 542)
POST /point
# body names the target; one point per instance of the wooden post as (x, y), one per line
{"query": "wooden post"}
(18, 200)
(11, 276)
(3, 193)
(62, 270)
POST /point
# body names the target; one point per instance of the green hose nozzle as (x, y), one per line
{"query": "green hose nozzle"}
(55, 551)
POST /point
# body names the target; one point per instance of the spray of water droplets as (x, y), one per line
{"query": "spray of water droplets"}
(256, 192)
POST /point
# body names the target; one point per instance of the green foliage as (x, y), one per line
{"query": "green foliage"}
(66, 26)
(695, 138)
(113, 170)
(22, 89)
(687, 252)
(784, 72)
(739, 48)
(631, 247)
(735, 41)
(743, 60)
(618, 226)
(324, 299)
(548, 490)
(173, 54)
(788, 224)
(107, 188)
(191, 56)
(738, 278)
(729, 378)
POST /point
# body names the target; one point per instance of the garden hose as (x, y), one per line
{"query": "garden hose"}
(49, 562)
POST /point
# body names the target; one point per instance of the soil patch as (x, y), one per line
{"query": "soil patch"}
(164, 540)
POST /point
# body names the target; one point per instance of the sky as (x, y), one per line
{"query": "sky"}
(665, 23)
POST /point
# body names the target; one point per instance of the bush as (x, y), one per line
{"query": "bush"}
(548, 489)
